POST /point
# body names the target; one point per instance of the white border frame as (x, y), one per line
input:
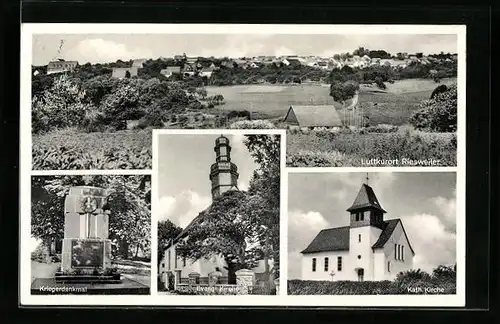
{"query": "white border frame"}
(28, 30)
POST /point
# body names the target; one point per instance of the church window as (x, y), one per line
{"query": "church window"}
(326, 264)
(395, 251)
(175, 259)
(184, 262)
(314, 264)
(357, 217)
(388, 266)
(168, 260)
(362, 216)
(359, 238)
(339, 263)
(402, 252)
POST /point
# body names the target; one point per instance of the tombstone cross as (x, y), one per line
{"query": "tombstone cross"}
(332, 274)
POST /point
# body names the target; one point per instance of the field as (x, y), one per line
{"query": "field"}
(325, 148)
(393, 106)
(73, 150)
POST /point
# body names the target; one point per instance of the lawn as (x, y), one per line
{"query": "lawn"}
(393, 106)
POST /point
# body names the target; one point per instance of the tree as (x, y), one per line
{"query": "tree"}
(343, 91)
(61, 106)
(361, 51)
(167, 231)
(224, 230)
(264, 190)
(438, 114)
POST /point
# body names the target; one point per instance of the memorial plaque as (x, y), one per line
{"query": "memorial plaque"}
(87, 254)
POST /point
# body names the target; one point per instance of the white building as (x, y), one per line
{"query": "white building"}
(61, 66)
(370, 248)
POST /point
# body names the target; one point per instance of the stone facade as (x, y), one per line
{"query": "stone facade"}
(86, 229)
(245, 280)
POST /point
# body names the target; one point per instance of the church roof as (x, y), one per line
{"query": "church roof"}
(366, 198)
(389, 227)
(331, 239)
(337, 239)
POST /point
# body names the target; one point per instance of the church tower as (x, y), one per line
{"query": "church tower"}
(366, 226)
(223, 173)
(366, 210)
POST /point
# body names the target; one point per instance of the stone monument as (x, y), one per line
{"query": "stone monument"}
(86, 248)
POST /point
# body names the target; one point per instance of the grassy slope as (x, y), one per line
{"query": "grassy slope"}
(394, 106)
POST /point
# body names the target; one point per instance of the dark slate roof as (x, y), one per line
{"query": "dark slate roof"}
(388, 229)
(315, 116)
(331, 239)
(337, 239)
(366, 198)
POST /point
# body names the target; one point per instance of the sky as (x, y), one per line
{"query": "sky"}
(184, 161)
(425, 202)
(103, 48)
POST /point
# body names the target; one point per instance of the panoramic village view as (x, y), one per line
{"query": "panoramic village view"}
(96, 99)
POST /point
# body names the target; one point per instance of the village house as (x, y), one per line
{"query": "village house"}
(170, 70)
(121, 73)
(139, 63)
(368, 249)
(61, 66)
(206, 72)
(174, 269)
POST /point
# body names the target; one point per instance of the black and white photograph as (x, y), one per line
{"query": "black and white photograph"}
(344, 97)
(385, 233)
(218, 213)
(90, 235)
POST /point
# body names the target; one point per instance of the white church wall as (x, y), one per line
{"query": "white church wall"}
(396, 266)
(361, 253)
(347, 273)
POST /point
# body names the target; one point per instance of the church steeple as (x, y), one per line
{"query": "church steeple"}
(223, 173)
(366, 209)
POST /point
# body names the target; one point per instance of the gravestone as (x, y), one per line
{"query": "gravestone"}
(86, 247)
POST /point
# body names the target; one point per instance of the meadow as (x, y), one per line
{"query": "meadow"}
(345, 147)
(391, 106)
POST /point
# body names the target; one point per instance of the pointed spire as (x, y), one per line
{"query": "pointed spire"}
(366, 198)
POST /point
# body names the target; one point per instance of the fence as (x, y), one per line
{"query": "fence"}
(245, 285)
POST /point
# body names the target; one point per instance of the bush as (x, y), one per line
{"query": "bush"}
(41, 254)
(70, 150)
(380, 83)
(239, 114)
(252, 124)
(349, 147)
(438, 114)
(306, 158)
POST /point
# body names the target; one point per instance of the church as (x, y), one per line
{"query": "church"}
(370, 248)
(173, 269)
